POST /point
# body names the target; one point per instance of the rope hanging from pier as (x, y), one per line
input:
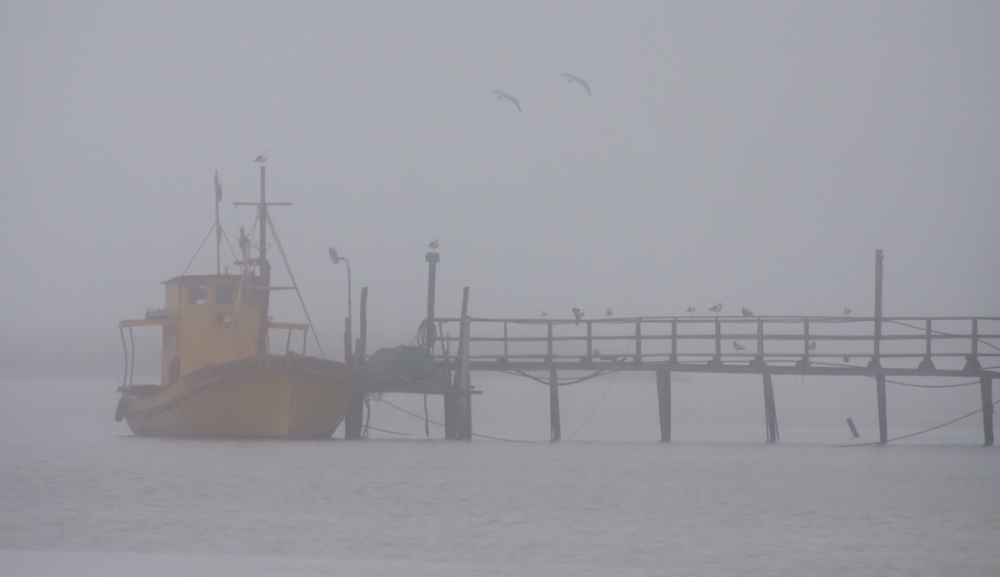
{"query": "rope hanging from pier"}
(562, 382)
(976, 412)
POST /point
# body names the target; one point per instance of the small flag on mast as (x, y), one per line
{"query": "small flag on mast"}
(218, 188)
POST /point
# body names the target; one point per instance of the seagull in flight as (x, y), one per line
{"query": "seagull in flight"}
(578, 313)
(433, 244)
(747, 312)
(738, 346)
(609, 312)
(261, 158)
(847, 310)
(571, 79)
(501, 95)
(690, 310)
(716, 309)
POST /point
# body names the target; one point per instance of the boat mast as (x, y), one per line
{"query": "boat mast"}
(265, 269)
(218, 229)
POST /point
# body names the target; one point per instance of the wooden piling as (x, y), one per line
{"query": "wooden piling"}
(353, 419)
(986, 388)
(770, 414)
(554, 405)
(463, 411)
(663, 397)
(883, 426)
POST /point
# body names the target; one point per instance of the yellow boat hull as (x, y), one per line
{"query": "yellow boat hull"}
(264, 397)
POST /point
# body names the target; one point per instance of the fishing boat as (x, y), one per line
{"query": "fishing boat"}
(219, 377)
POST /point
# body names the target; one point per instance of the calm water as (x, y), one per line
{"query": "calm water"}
(79, 495)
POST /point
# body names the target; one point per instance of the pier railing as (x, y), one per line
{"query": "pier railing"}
(928, 344)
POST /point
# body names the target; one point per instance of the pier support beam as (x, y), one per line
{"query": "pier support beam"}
(354, 418)
(883, 425)
(986, 387)
(770, 414)
(554, 405)
(663, 396)
(451, 416)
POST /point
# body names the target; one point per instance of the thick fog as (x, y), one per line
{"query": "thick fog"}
(754, 154)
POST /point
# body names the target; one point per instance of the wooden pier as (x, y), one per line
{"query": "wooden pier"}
(876, 347)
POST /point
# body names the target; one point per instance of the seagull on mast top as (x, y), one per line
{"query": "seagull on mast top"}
(433, 244)
(261, 158)
(501, 95)
(571, 79)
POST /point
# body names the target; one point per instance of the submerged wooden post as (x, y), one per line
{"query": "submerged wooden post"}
(663, 396)
(770, 414)
(554, 405)
(883, 426)
(986, 388)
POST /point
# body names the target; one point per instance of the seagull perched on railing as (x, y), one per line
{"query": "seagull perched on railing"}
(847, 310)
(812, 346)
(571, 79)
(609, 312)
(690, 310)
(747, 312)
(501, 95)
(578, 313)
(545, 312)
(738, 346)
(261, 158)
(716, 309)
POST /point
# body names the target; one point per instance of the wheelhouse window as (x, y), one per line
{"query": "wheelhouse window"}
(224, 294)
(197, 294)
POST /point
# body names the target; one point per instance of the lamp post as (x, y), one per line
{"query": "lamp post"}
(350, 318)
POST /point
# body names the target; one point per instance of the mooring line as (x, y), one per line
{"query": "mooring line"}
(442, 426)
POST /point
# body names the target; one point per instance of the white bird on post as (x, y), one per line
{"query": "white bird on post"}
(502, 95)
(261, 158)
(571, 79)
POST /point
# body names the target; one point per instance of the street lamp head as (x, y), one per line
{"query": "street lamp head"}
(333, 255)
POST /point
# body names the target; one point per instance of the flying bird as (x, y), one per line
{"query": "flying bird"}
(501, 95)
(609, 312)
(545, 312)
(847, 310)
(738, 346)
(571, 79)
(747, 312)
(716, 309)
(690, 310)
(434, 244)
(261, 158)
(578, 313)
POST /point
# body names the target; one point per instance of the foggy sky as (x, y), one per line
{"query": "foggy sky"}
(750, 153)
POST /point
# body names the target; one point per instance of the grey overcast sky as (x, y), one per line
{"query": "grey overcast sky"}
(753, 153)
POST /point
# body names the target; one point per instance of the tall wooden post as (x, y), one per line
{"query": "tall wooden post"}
(986, 388)
(770, 414)
(883, 426)
(554, 405)
(464, 431)
(663, 396)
